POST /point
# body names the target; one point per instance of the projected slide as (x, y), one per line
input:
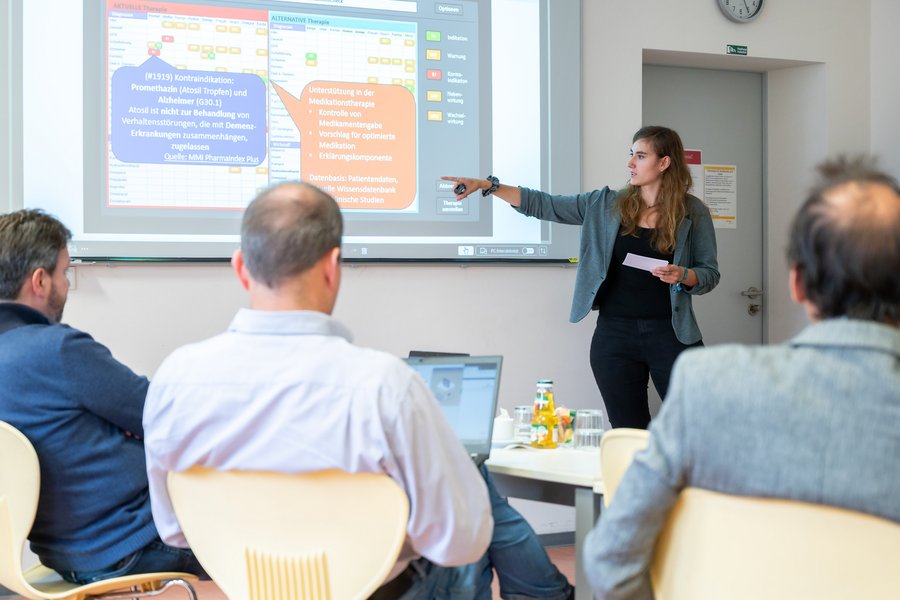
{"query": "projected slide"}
(149, 125)
(371, 100)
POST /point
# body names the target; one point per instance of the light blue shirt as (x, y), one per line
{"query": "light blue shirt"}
(289, 392)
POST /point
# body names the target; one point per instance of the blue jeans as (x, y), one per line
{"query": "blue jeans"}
(153, 558)
(523, 568)
(625, 354)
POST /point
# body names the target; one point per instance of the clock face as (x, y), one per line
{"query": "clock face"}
(741, 11)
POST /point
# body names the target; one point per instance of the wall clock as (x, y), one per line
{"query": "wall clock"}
(741, 11)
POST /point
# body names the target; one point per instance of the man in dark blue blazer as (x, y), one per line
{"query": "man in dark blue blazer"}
(82, 411)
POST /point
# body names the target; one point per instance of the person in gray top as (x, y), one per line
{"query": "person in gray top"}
(815, 419)
(645, 318)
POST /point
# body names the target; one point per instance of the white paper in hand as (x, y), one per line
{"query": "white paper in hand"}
(643, 262)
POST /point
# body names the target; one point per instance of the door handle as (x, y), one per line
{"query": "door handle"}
(752, 293)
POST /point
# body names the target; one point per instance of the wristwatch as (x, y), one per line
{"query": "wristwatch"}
(495, 183)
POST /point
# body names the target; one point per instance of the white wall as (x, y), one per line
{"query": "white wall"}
(143, 312)
(885, 68)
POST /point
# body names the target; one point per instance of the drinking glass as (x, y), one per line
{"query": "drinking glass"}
(522, 423)
(588, 428)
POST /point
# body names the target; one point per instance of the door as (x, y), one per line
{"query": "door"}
(720, 113)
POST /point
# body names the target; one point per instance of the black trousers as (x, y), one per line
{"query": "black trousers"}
(625, 354)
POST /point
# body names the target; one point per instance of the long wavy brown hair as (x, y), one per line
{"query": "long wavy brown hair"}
(671, 202)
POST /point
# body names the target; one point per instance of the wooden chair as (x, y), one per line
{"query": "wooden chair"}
(617, 448)
(20, 477)
(264, 535)
(717, 546)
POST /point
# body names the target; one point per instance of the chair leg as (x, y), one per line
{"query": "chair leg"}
(137, 593)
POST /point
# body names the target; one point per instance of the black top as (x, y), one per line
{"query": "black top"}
(630, 292)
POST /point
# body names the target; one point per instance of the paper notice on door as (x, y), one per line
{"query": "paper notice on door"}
(643, 262)
(720, 194)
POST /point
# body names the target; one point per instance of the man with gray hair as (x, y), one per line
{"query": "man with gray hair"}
(284, 389)
(272, 392)
(816, 419)
(81, 409)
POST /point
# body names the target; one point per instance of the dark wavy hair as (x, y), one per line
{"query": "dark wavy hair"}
(29, 240)
(845, 242)
(287, 229)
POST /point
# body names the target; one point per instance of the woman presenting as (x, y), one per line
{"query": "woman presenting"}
(645, 318)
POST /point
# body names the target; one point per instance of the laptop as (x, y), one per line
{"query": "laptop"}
(467, 389)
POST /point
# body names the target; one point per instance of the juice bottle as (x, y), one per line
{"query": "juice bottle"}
(543, 423)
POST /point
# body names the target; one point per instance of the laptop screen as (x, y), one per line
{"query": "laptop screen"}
(467, 388)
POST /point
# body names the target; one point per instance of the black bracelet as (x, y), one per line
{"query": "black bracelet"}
(495, 183)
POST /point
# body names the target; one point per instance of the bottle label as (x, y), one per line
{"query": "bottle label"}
(539, 434)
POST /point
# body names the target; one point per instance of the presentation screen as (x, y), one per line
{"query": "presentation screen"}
(191, 109)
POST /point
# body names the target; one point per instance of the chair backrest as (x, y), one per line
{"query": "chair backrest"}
(617, 448)
(20, 483)
(721, 546)
(263, 535)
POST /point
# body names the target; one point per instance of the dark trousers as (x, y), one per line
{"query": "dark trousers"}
(625, 354)
(155, 557)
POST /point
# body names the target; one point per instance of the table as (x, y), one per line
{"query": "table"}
(561, 476)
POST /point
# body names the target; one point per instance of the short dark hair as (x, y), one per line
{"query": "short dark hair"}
(845, 242)
(29, 240)
(287, 229)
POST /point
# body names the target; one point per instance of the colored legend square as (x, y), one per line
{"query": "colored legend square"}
(435, 115)
(433, 74)
(433, 95)
(432, 54)
(432, 36)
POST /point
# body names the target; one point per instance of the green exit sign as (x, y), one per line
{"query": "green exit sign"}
(735, 49)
